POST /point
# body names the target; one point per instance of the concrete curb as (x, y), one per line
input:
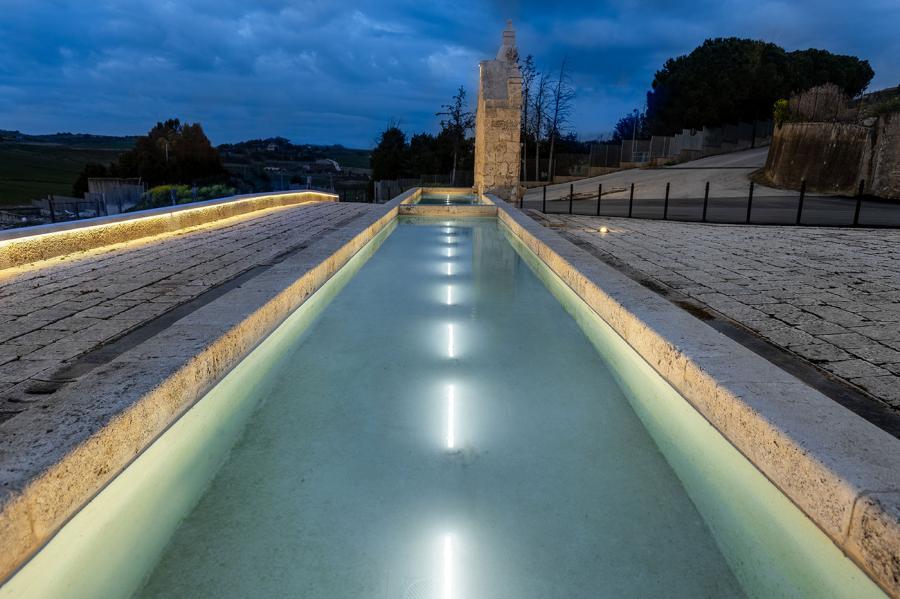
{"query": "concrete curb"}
(840, 470)
(30, 244)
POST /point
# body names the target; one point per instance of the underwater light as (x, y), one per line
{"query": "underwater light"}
(451, 417)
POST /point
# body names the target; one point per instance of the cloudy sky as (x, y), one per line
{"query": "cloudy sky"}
(320, 71)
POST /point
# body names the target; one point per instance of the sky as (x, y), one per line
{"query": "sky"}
(321, 72)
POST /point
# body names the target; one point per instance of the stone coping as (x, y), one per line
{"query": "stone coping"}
(840, 470)
(411, 196)
(30, 244)
(458, 211)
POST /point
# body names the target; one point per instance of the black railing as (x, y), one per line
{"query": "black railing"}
(802, 209)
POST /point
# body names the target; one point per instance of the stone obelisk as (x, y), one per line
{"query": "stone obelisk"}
(498, 122)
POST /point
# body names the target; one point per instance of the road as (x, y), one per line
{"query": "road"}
(729, 186)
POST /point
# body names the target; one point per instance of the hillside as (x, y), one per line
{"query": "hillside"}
(32, 166)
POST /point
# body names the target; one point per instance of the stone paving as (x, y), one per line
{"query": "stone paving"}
(830, 296)
(56, 310)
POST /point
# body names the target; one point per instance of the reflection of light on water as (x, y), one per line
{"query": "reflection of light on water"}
(451, 349)
(449, 269)
(449, 252)
(449, 295)
(451, 417)
(447, 568)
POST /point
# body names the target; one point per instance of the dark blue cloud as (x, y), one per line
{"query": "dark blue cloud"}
(319, 71)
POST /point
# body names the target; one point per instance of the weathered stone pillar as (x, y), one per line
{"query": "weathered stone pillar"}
(498, 122)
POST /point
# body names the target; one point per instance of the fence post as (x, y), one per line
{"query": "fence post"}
(52, 211)
(705, 201)
(544, 202)
(859, 195)
(750, 202)
(631, 200)
(77, 213)
(666, 204)
(98, 207)
(599, 195)
(802, 196)
(571, 195)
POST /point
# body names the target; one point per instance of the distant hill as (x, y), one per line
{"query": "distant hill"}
(71, 140)
(279, 148)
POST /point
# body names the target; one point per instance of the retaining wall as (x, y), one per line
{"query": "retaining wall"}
(829, 156)
(835, 157)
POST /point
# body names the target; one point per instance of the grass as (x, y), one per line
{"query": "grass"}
(29, 171)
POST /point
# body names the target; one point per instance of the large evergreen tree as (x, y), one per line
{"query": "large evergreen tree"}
(727, 80)
(388, 159)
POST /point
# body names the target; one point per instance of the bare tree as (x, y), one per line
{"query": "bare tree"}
(528, 75)
(460, 120)
(539, 118)
(560, 107)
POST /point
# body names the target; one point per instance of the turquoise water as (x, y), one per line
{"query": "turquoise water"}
(444, 419)
(448, 199)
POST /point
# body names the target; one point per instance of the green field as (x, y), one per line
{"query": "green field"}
(29, 170)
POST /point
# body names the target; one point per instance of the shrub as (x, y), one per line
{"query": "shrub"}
(782, 112)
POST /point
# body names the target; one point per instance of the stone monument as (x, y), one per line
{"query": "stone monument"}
(498, 122)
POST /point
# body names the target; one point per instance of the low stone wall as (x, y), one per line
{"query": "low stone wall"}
(30, 244)
(61, 457)
(829, 156)
(840, 470)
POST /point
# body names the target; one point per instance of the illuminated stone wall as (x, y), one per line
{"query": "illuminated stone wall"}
(497, 123)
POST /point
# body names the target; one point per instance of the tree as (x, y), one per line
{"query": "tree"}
(538, 121)
(460, 120)
(810, 68)
(388, 159)
(91, 170)
(631, 126)
(728, 80)
(424, 155)
(171, 152)
(529, 72)
(560, 106)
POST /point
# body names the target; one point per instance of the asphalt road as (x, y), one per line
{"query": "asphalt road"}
(729, 187)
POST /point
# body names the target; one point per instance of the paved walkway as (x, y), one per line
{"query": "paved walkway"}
(56, 310)
(830, 296)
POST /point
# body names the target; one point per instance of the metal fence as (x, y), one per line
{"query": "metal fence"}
(801, 209)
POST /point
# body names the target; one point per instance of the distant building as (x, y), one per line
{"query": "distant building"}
(272, 148)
